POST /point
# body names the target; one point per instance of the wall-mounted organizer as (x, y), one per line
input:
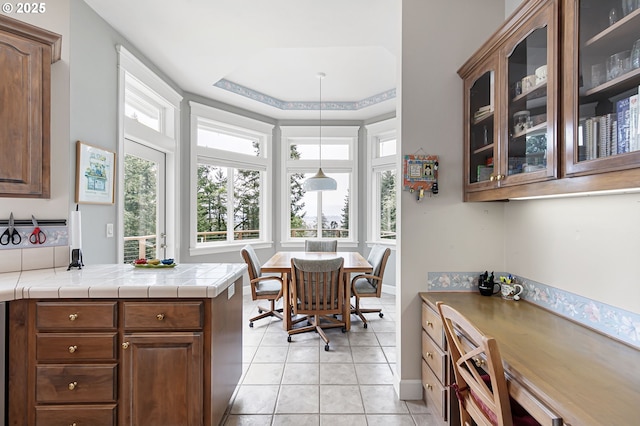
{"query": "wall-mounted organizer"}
(420, 175)
(54, 232)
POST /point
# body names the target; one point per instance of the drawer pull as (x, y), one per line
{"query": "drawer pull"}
(125, 345)
(73, 317)
(429, 355)
(73, 385)
(160, 317)
(429, 386)
(72, 349)
(74, 424)
(428, 323)
(479, 362)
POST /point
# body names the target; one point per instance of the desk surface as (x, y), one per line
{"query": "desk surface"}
(582, 375)
(281, 261)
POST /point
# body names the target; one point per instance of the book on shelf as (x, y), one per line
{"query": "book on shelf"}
(622, 110)
(634, 123)
(582, 137)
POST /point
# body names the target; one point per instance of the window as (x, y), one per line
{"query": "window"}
(230, 180)
(324, 214)
(382, 180)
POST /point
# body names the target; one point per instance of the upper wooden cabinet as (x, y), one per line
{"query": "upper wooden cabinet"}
(601, 86)
(26, 55)
(510, 104)
(575, 130)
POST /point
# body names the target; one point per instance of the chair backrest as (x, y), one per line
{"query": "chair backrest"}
(321, 245)
(250, 257)
(378, 259)
(317, 286)
(480, 385)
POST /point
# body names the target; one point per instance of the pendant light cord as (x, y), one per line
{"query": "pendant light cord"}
(320, 77)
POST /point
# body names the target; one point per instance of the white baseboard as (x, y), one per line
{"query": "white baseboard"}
(408, 390)
(388, 289)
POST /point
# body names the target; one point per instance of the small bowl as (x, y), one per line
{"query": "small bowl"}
(167, 261)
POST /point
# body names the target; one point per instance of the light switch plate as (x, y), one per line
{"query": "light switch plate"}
(109, 230)
(231, 290)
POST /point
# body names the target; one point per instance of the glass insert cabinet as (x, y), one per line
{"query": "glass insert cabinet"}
(552, 103)
(510, 104)
(601, 100)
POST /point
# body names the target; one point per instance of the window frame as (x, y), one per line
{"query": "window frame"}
(347, 134)
(236, 125)
(377, 133)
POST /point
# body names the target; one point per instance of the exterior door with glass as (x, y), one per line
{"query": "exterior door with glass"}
(144, 202)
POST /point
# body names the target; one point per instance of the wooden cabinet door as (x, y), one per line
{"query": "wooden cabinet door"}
(26, 54)
(155, 365)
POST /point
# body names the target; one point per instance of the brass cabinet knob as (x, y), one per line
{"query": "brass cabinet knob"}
(479, 362)
(429, 355)
(428, 323)
(429, 386)
(492, 178)
(72, 349)
(499, 177)
(160, 317)
(125, 345)
(74, 424)
(73, 317)
(73, 385)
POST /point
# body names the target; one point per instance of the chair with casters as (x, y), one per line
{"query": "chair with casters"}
(317, 290)
(263, 287)
(370, 285)
(321, 245)
(480, 383)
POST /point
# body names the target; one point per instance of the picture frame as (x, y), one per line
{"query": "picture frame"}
(420, 172)
(95, 174)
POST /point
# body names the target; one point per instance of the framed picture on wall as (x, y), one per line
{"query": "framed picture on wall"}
(95, 174)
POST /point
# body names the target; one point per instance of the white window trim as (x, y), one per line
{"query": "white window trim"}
(168, 142)
(240, 125)
(376, 131)
(311, 166)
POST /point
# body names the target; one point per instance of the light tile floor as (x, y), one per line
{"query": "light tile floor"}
(300, 384)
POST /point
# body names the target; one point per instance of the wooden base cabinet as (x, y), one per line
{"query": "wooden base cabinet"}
(124, 362)
(437, 374)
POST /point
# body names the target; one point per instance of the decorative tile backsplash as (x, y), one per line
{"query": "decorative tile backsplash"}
(615, 322)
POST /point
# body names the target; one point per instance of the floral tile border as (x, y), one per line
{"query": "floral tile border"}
(615, 322)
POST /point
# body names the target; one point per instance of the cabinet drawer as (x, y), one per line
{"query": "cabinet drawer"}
(75, 315)
(80, 415)
(432, 324)
(76, 383)
(434, 391)
(435, 358)
(163, 315)
(76, 346)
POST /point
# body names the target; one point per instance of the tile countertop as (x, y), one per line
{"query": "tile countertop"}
(121, 281)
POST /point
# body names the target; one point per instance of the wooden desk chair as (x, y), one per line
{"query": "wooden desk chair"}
(321, 245)
(317, 290)
(370, 285)
(480, 385)
(262, 287)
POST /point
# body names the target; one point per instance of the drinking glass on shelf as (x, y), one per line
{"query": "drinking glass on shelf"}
(598, 75)
(613, 16)
(635, 55)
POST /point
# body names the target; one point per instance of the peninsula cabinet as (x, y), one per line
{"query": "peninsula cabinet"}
(26, 55)
(510, 103)
(601, 109)
(123, 362)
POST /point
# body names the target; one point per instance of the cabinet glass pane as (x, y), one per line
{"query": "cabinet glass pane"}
(481, 132)
(527, 114)
(609, 37)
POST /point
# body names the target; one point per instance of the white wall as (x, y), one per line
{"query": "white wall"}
(510, 6)
(440, 233)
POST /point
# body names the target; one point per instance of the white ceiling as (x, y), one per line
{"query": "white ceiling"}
(270, 51)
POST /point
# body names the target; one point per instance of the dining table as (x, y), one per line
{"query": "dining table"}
(280, 263)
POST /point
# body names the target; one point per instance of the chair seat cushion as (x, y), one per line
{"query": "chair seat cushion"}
(363, 286)
(266, 287)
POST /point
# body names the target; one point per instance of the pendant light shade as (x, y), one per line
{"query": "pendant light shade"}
(320, 181)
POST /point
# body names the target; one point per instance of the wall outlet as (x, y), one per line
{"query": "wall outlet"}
(231, 290)
(109, 230)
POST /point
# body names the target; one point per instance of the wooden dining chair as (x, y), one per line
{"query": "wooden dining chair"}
(321, 245)
(317, 290)
(263, 287)
(480, 383)
(370, 285)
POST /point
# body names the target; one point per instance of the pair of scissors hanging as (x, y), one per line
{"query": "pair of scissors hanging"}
(37, 235)
(11, 234)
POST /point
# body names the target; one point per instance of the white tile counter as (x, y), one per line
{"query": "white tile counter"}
(121, 281)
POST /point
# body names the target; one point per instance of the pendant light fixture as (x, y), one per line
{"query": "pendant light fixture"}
(320, 181)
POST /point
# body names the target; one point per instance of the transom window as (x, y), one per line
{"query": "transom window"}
(382, 181)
